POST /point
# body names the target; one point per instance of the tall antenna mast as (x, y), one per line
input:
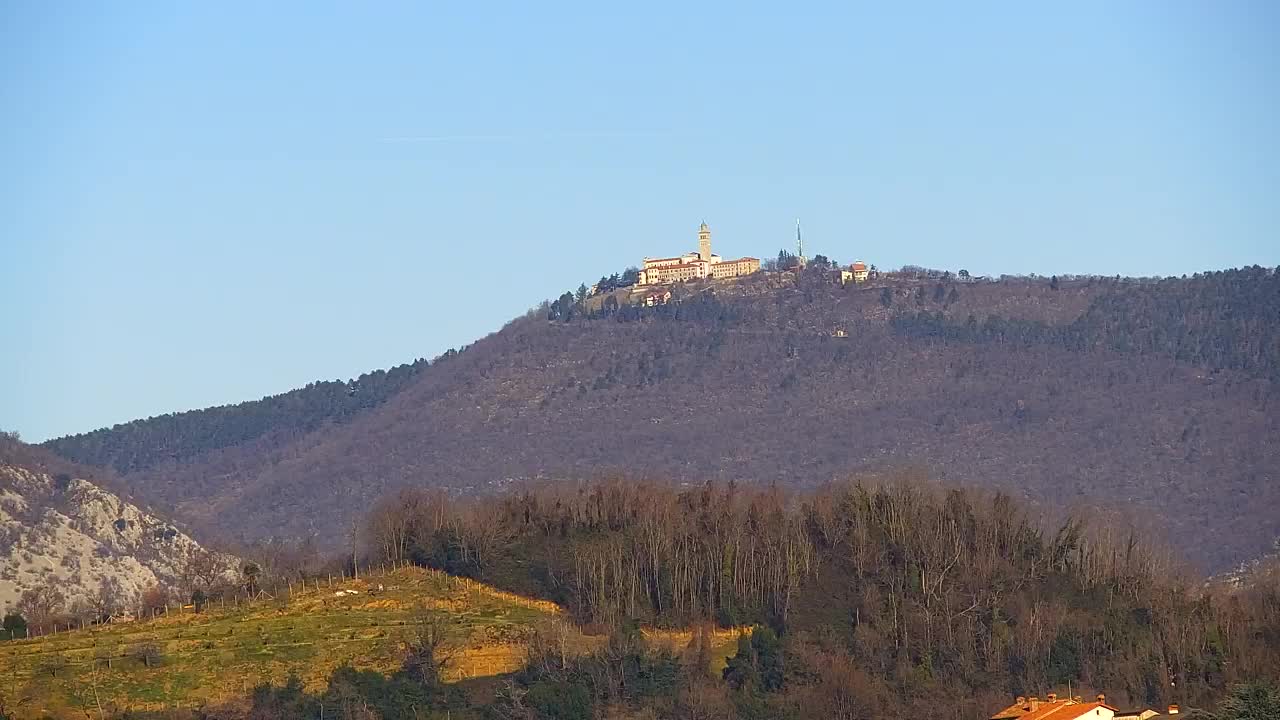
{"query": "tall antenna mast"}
(799, 242)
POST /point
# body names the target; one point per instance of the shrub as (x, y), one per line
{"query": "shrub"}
(149, 654)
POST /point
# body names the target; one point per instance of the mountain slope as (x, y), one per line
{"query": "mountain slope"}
(142, 444)
(68, 533)
(1036, 387)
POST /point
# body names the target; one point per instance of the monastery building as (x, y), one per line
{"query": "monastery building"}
(694, 266)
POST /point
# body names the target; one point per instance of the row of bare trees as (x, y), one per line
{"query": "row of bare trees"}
(621, 550)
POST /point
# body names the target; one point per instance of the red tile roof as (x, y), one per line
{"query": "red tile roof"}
(1071, 712)
(1045, 710)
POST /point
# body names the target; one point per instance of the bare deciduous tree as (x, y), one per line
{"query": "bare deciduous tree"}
(40, 604)
(427, 649)
(202, 569)
(110, 598)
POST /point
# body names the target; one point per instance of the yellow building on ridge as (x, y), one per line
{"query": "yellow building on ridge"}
(695, 266)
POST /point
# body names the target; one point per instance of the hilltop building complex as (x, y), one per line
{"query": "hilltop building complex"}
(694, 266)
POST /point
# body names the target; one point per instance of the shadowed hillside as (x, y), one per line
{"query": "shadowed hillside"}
(142, 444)
(1151, 397)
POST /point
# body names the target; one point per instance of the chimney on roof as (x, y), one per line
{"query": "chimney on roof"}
(1102, 698)
(1053, 697)
(1021, 699)
(1173, 709)
(1033, 703)
(1077, 699)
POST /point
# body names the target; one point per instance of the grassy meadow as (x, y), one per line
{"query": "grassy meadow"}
(224, 652)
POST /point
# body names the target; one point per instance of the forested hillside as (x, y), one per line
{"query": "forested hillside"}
(1152, 399)
(1225, 320)
(890, 596)
(143, 444)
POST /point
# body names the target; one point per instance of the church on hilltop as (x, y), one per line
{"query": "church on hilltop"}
(695, 266)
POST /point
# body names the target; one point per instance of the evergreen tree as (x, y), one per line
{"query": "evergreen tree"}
(758, 663)
(251, 572)
(1255, 701)
(15, 625)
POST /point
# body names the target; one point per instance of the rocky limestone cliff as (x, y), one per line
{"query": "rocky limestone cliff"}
(65, 532)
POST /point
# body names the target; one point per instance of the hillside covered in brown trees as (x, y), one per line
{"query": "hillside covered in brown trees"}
(1152, 401)
(890, 598)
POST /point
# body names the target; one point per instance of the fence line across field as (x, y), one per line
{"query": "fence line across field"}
(237, 598)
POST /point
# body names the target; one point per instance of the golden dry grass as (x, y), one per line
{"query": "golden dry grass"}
(223, 653)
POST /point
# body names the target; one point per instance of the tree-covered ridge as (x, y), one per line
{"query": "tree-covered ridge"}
(1220, 320)
(890, 595)
(1228, 319)
(142, 444)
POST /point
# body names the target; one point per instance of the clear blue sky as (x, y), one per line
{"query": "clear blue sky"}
(204, 203)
